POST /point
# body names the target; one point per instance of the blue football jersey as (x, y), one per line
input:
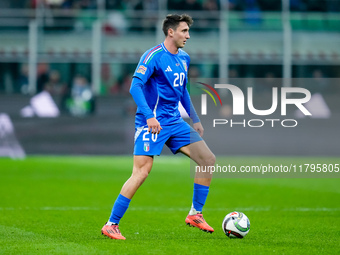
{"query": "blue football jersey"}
(164, 76)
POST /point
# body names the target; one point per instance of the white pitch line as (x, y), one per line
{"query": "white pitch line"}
(69, 208)
(166, 209)
(304, 209)
(49, 208)
(241, 209)
(174, 209)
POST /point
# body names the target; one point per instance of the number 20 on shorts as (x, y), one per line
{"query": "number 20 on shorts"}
(153, 136)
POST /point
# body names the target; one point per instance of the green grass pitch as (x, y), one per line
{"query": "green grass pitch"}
(57, 205)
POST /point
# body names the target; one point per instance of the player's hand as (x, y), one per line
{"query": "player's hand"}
(199, 128)
(154, 126)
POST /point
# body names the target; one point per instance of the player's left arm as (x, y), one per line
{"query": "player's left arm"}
(190, 109)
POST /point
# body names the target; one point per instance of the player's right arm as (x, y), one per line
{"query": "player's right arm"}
(143, 72)
(138, 95)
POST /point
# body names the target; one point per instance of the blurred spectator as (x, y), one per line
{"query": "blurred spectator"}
(116, 23)
(122, 86)
(54, 85)
(23, 80)
(333, 5)
(67, 4)
(269, 5)
(88, 4)
(80, 86)
(54, 4)
(236, 5)
(122, 5)
(319, 82)
(16, 4)
(265, 84)
(115, 5)
(234, 78)
(43, 76)
(233, 73)
(252, 14)
(316, 5)
(194, 72)
(106, 78)
(81, 101)
(127, 84)
(297, 5)
(148, 21)
(231, 4)
(208, 23)
(147, 5)
(190, 5)
(115, 88)
(211, 5)
(174, 5)
(269, 82)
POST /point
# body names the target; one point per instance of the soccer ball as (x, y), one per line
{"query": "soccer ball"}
(236, 225)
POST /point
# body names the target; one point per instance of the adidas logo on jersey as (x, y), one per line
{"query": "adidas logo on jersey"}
(168, 69)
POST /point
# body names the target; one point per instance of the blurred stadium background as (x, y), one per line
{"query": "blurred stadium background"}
(78, 56)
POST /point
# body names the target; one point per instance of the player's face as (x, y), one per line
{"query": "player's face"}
(181, 34)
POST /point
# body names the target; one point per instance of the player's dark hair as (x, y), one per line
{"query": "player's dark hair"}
(173, 20)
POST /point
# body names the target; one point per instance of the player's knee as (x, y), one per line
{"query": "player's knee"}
(141, 174)
(210, 160)
(142, 167)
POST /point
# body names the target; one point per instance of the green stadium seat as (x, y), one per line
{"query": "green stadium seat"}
(316, 21)
(272, 21)
(235, 21)
(296, 21)
(333, 24)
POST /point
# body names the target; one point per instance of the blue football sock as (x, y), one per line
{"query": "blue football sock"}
(199, 197)
(119, 208)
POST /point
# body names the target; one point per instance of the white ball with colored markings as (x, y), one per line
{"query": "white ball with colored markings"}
(236, 225)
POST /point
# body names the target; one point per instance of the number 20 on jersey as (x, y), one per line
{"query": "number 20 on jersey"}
(179, 79)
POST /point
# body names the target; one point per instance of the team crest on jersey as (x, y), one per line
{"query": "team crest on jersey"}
(185, 65)
(146, 147)
(142, 69)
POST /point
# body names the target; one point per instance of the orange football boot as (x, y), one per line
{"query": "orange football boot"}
(112, 231)
(198, 221)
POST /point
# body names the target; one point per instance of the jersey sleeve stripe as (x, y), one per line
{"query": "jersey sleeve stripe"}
(151, 51)
(151, 54)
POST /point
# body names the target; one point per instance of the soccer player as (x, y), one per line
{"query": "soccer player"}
(158, 85)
